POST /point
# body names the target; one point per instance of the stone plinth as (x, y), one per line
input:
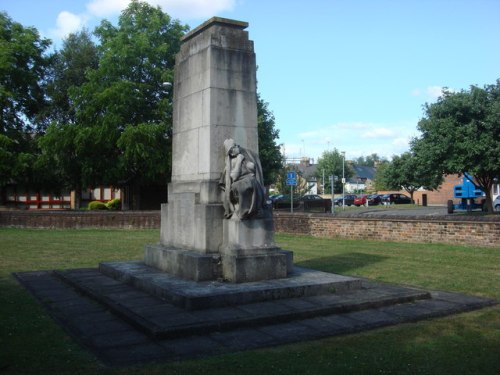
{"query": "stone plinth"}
(249, 252)
(214, 100)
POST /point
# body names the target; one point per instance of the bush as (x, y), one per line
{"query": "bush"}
(114, 204)
(96, 205)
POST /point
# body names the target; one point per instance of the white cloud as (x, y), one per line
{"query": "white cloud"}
(68, 23)
(434, 92)
(430, 92)
(356, 138)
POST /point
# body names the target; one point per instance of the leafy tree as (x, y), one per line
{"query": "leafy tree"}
(123, 96)
(22, 71)
(380, 183)
(269, 152)
(331, 163)
(461, 133)
(409, 172)
(69, 67)
(23, 67)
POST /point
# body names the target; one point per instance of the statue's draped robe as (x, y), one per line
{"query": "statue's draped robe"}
(242, 181)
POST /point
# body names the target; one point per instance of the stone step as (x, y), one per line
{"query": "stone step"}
(196, 295)
(159, 318)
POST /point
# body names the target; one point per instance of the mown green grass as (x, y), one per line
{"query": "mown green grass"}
(31, 343)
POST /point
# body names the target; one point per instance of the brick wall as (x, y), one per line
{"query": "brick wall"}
(80, 219)
(452, 231)
(455, 230)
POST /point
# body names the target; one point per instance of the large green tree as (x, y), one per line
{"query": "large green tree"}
(123, 110)
(68, 72)
(23, 68)
(461, 133)
(410, 173)
(23, 65)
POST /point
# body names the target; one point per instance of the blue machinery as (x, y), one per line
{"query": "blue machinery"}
(467, 192)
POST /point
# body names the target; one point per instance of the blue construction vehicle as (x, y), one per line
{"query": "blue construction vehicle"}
(468, 193)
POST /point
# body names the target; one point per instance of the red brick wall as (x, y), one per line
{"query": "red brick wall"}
(474, 233)
(80, 219)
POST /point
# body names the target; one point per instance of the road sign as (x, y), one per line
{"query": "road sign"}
(291, 181)
(291, 175)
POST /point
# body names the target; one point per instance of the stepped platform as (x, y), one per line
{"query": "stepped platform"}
(123, 323)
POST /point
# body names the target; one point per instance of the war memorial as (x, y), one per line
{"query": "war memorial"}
(216, 281)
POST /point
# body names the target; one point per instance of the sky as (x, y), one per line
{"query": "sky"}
(351, 75)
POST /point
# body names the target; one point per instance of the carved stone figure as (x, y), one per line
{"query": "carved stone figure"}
(241, 182)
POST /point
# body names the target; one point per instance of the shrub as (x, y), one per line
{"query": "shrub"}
(114, 204)
(96, 205)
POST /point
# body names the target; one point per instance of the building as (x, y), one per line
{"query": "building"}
(362, 181)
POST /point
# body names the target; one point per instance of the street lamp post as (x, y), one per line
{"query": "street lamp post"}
(343, 180)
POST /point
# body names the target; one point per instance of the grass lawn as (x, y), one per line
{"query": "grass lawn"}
(468, 343)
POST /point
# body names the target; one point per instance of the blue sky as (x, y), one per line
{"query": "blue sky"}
(346, 74)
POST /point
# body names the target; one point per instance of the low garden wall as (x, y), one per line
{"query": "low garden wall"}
(459, 230)
(80, 219)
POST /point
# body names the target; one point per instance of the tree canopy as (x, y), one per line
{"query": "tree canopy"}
(461, 133)
(23, 72)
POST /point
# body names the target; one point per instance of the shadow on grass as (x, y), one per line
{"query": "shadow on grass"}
(342, 263)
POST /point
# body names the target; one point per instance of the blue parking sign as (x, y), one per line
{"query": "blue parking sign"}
(291, 175)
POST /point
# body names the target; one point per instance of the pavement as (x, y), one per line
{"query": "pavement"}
(123, 325)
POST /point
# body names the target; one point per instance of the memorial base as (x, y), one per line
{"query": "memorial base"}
(249, 253)
(190, 265)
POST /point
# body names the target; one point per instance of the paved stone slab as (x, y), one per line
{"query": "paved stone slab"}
(116, 342)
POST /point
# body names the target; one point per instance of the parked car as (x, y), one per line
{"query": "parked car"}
(348, 200)
(360, 201)
(373, 199)
(496, 204)
(396, 199)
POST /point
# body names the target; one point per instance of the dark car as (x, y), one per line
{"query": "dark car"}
(374, 199)
(396, 199)
(348, 200)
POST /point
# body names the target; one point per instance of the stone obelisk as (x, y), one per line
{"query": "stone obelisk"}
(214, 100)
